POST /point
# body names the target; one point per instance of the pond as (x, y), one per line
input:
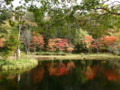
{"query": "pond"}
(65, 75)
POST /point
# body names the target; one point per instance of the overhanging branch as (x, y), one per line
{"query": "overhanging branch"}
(110, 12)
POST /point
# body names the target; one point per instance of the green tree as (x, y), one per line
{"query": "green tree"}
(26, 35)
(9, 37)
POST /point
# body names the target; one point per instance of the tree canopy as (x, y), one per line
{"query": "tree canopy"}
(63, 18)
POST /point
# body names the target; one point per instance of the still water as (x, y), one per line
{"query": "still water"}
(65, 75)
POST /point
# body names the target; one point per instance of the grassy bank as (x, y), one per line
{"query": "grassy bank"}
(102, 56)
(17, 65)
(27, 63)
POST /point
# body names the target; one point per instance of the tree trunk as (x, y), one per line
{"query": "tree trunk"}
(19, 31)
(18, 52)
(97, 50)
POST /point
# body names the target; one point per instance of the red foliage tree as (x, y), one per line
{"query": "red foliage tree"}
(1, 42)
(88, 42)
(57, 44)
(109, 40)
(37, 41)
(97, 44)
(51, 45)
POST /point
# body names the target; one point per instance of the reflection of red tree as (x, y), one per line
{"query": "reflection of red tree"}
(52, 68)
(52, 71)
(61, 69)
(70, 65)
(90, 73)
(38, 75)
(111, 75)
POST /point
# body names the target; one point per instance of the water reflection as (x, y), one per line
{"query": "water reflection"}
(59, 69)
(66, 75)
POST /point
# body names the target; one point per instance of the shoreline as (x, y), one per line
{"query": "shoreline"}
(76, 57)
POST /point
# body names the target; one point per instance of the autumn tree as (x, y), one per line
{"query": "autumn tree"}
(110, 42)
(88, 40)
(37, 42)
(97, 44)
(58, 44)
(1, 42)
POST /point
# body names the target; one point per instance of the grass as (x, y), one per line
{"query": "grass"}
(17, 65)
(26, 63)
(50, 53)
(82, 56)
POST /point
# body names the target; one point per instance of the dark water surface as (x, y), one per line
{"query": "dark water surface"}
(66, 75)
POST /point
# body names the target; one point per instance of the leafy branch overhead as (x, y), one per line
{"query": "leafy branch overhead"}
(105, 5)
